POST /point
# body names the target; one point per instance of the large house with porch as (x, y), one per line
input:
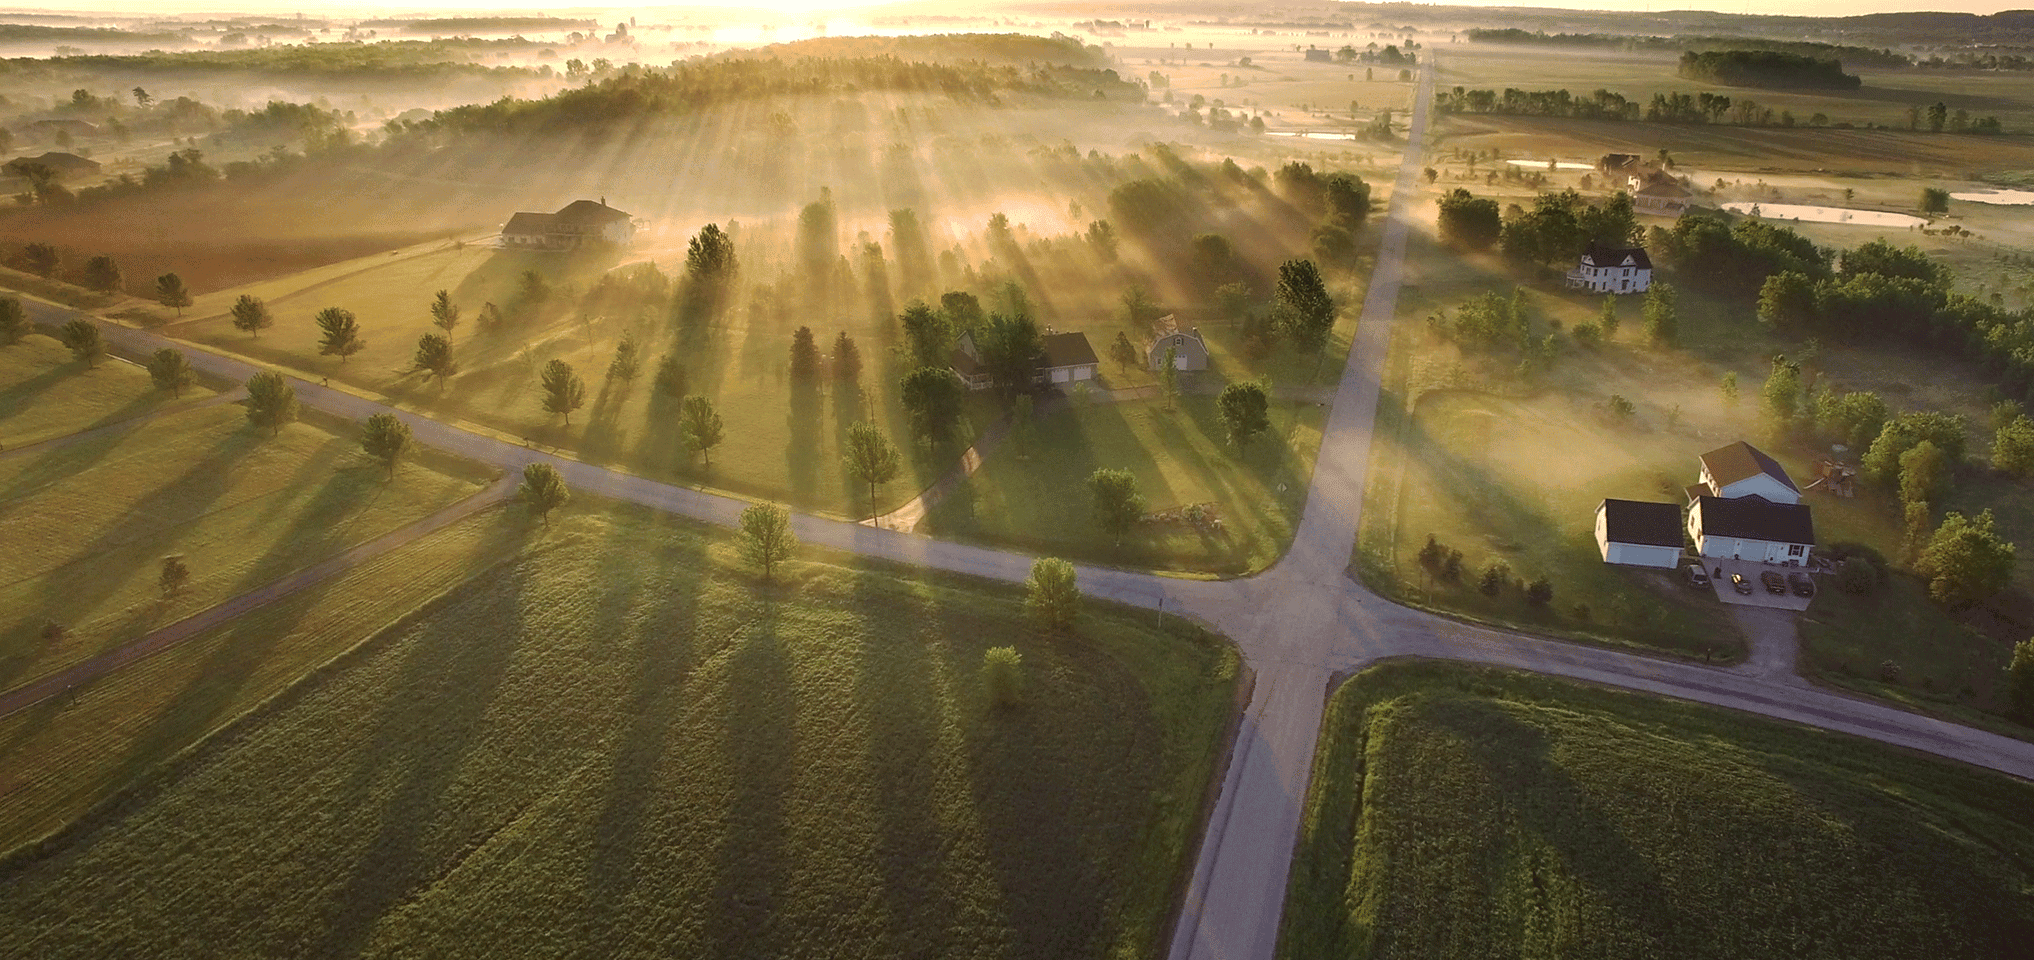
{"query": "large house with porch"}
(1745, 507)
(578, 224)
(1068, 359)
(1605, 269)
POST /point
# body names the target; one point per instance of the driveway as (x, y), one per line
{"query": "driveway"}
(1759, 597)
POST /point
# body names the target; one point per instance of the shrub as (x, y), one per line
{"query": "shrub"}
(1495, 577)
(1859, 576)
(2020, 682)
(1051, 593)
(1540, 592)
(1002, 675)
(1889, 671)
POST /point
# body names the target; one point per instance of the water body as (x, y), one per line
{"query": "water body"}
(1542, 164)
(1812, 214)
(1309, 135)
(2004, 198)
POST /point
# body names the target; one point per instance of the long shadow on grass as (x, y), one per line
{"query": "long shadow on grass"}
(751, 885)
(660, 633)
(431, 720)
(802, 450)
(1553, 808)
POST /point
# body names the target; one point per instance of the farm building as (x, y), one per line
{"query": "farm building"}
(1639, 533)
(1666, 198)
(66, 165)
(1616, 164)
(578, 224)
(1612, 270)
(1189, 351)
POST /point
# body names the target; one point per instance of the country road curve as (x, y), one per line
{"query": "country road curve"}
(1296, 625)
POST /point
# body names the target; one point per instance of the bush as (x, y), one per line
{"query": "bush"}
(1889, 671)
(1859, 576)
(1052, 594)
(1540, 592)
(1002, 675)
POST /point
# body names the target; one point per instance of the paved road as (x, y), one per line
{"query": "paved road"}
(1295, 624)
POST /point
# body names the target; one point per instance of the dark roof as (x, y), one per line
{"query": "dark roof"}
(530, 223)
(1755, 518)
(965, 365)
(1664, 188)
(1068, 350)
(587, 211)
(1641, 522)
(56, 160)
(1740, 460)
(1602, 255)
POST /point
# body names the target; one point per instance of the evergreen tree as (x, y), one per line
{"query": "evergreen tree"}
(444, 313)
(564, 392)
(847, 359)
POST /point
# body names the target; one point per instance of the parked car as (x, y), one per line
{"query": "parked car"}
(1774, 582)
(1739, 583)
(1697, 577)
(1803, 586)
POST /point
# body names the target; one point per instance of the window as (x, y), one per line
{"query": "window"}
(1795, 549)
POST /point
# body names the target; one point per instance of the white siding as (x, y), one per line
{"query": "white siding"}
(1760, 485)
(1642, 555)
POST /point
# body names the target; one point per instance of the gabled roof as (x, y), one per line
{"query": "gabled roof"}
(1641, 522)
(588, 211)
(1664, 188)
(1599, 255)
(1741, 460)
(56, 160)
(965, 364)
(528, 223)
(1068, 350)
(1754, 518)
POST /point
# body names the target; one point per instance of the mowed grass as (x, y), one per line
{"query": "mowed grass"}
(88, 523)
(623, 744)
(1032, 491)
(1459, 812)
(44, 393)
(65, 755)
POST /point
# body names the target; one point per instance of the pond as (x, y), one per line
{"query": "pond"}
(1814, 214)
(1542, 164)
(1309, 135)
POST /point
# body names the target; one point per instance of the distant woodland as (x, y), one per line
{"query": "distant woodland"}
(1766, 68)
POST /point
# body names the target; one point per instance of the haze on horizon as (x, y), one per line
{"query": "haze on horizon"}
(799, 8)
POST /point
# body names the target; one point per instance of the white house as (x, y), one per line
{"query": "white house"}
(1612, 270)
(576, 225)
(1189, 351)
(1639, 533)
(1752, 528)
(1742, 470)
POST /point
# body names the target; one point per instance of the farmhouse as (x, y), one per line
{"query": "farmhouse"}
(1317, 55)
(1663, 197)
(1189, 351)
(1752, 528)
(1618, 163)
(1639, 533)
(1612, 270)
(76, 128)
(1068, 358)
(65, 165)
(578, 224)
(1742, 470)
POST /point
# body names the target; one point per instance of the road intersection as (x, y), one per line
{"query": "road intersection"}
(1297, 624)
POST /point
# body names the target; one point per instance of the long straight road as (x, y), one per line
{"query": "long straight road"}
(1296, 624)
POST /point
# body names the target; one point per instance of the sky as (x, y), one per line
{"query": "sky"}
(1830, 8)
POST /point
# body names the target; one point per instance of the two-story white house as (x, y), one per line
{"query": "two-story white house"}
(1612, 270)
(1747, 508)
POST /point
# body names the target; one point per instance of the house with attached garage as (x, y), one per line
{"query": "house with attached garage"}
(1606, 269)
(578, 224)
(1638, 533)
(1067, 359)
(1742, 470)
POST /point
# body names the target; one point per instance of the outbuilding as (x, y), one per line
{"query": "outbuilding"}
(1638, 533)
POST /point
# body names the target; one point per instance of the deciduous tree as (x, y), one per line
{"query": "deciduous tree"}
(672, 380)
(1662, 322)
(1966, 561)
(385, 438)
(1246, 411)
(927, 334)
(1052, 593)
(171, 292)
(2013, 447)
(271, 401)
(175, 574)
(40, 259)
(434, 353)
(2020, 682)
(766, 536)
(339, 334)
(1118, 505)
(13, 322)
(564, 392)
(1924, 472)
(1309, 310)
(170, 371)
(543, 490)
(1123, 352)
(250, 315)
(1469, 221)
(84, 340)
(700, 425)
(870, 457)
(102, 274)
(935, 400)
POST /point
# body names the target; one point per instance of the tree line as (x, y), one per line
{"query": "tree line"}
(1766, 68)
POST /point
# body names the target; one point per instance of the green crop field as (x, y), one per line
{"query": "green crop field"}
(684, 762)
(44, 393)
(88, 523)
(1459, 812)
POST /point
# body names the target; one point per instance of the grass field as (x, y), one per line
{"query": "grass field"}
(1033, 493)
(684, 762)
(89, 522)
(44, 393)
(1461, 812)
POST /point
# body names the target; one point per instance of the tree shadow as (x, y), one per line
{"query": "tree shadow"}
(750, 886)
(805, 447)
